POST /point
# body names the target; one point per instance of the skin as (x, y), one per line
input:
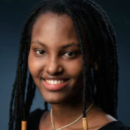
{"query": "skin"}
(49, 58)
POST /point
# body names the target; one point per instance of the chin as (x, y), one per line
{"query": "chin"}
(54, 100)
(60, 98)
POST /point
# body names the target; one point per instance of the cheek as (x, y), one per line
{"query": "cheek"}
(34, 65)
(75, 68)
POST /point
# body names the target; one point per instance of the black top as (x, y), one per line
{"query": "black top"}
(34, 119)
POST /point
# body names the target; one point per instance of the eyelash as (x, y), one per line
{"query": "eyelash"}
(39, 51)
(74, 53)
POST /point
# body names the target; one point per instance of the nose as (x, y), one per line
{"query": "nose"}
(53, 67)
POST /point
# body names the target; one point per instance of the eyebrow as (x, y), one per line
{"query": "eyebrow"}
(64, 46)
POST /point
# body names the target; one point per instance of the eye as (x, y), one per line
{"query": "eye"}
(39, 52)
(70, 54)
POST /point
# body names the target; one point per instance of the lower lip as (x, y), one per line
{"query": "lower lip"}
(54, 87)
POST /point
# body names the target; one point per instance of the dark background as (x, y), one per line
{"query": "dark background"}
(13, 14)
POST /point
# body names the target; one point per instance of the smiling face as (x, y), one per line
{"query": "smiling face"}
(55, 61)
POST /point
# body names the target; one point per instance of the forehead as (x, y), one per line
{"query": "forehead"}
(52, 28)
(52, 21)
(54, 17)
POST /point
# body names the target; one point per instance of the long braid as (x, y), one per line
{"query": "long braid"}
(84, 66)
(116, 66)
(107, 65)
(78, 29)
(18, 93)
(30, 95)
(23, 86)
(111, 56)
(14, 93)
(106, 49)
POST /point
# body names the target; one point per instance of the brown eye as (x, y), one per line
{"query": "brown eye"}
(69, 54)
(72, 54)
(40, 52)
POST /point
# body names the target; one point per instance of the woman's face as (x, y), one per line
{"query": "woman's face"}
(55, 61)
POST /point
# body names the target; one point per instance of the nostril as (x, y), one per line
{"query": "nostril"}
(54, 72)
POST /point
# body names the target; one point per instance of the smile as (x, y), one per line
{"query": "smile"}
(55, 85)
(54, 81)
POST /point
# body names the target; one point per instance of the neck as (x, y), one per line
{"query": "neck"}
(66, 113)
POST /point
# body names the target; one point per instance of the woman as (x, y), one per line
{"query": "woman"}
(69, 47)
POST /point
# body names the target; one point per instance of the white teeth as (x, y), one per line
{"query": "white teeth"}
(54, 81)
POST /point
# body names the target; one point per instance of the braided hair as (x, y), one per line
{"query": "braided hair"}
(102, 84)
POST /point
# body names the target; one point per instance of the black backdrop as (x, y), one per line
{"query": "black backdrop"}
(13, 14)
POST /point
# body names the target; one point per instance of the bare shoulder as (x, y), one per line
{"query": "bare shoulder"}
(99, 118)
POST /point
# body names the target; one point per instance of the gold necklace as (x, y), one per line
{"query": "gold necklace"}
(69, 123)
